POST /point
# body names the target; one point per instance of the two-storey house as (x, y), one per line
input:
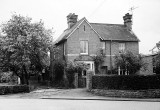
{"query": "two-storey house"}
(82, 39)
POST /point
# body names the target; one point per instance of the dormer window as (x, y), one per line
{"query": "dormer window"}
(84, 47)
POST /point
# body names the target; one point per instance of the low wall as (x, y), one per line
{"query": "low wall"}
(128, 82)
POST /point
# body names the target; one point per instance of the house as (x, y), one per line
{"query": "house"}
(82, 40)
(150, 64)
(150, 61)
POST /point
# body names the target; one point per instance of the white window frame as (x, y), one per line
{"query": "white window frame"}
(122, 47)
(82, 46)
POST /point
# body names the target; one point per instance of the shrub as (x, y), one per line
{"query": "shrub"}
(130, 62)
(156, 61)
(59, 70)
(8, 89)
(8, 77)
(129, 82)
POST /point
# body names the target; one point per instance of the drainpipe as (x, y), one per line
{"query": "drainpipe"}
(110, 57)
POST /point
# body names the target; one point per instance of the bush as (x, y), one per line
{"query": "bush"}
(8, 89)
(59, 70)
(130, 82)
(8, 77)
(130, 62)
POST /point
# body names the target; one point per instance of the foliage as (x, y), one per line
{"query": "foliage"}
(13, 89)
(59, 70)
(8, 77)
(129, 62)
(98, 59)
(75, 67)
(126, 82)
(157, 63)
(24, 46)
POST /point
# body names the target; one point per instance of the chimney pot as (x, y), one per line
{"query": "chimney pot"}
(71, 20)
(128, 21)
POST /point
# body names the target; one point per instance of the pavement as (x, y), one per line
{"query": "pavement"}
(49, 104)
(69, 94)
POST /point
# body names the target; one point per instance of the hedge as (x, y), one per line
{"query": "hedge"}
(126, 82)
(8, 89)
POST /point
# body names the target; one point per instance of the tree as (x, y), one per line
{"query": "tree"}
(24, 46)
(98, 60)
(129, 62)
(156, 62)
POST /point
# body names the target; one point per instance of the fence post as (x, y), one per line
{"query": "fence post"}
(89, 80)
(76, 80)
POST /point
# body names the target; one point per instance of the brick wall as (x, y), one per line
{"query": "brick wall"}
(72, 46)
(73, 42)
(114, 46)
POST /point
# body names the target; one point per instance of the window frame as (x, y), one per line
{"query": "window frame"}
(83, 48)
(122, 46)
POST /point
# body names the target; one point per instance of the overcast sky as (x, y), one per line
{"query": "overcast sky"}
(146, 17)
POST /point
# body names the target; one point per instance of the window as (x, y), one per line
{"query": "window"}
(122, 47)
(103, 45)
(84, 28)
(84, 47)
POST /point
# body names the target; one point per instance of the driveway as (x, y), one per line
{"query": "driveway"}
(69, 94)
(53, 93)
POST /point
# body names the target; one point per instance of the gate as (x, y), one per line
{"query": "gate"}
(81, 82)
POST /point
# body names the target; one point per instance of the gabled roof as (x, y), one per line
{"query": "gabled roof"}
(67, 32)
(117, 32)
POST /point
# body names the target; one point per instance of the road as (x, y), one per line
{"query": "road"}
(54, 104)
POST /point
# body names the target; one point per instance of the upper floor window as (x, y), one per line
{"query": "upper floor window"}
(103, 45)
(84, 47)
(103, 48)
(121, 47)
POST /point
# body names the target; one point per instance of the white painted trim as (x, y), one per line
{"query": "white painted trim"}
(72, 54)
(92, 66)
(92, 54)
(89, 25)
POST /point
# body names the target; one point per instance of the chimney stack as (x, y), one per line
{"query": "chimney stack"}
(71, 20)
(128, 21)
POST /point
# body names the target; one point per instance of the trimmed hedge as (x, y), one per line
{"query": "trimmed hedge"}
(128, 82)
(8, 89)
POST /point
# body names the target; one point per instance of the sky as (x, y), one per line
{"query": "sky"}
(146, 15)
